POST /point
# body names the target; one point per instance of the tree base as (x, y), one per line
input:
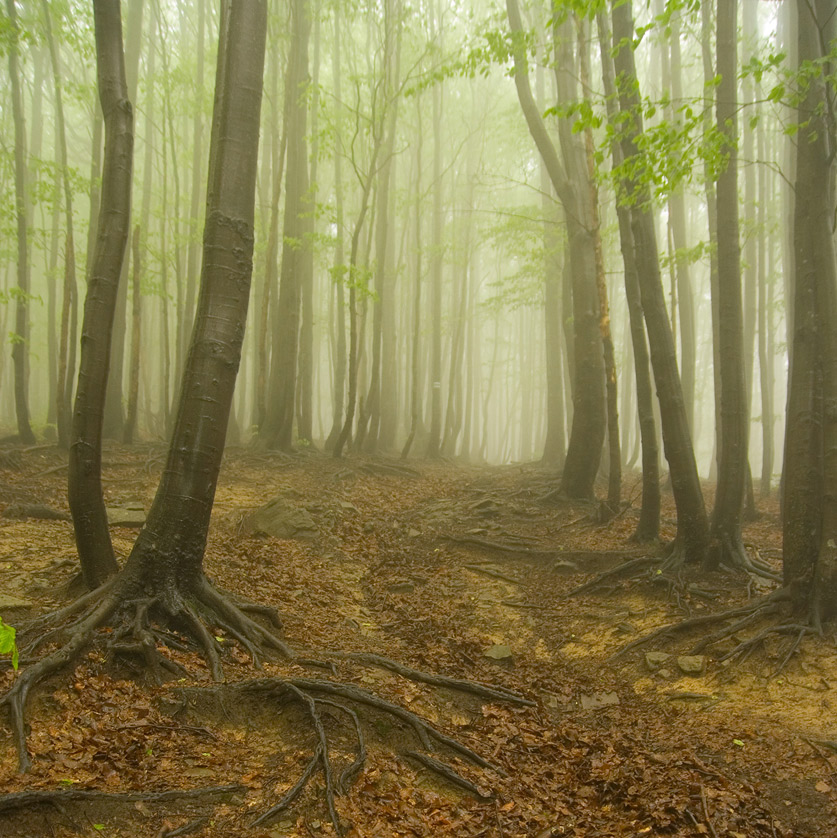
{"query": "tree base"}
(141, 626)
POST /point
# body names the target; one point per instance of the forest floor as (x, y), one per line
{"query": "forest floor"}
(454, 570)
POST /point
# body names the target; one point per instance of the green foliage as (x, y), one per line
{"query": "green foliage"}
(7, 643)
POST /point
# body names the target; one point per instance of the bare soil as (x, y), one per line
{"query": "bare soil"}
(454, 570)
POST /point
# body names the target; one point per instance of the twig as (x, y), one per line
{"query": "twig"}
(706, 812)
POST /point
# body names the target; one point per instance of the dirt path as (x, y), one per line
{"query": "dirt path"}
(452, 570)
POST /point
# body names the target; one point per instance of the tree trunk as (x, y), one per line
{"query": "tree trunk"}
(733, 431)
(20, 341)
(85, 468)
(588, 429)
(810, 478)
(277, 431)
(136, 340)
(114, 416)
(168, 554)
(648, 526)
(65, 372)
(692, 524)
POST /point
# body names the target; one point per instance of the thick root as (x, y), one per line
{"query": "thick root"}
(313, 694)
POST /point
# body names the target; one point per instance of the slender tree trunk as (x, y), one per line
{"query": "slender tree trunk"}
(277, 430)
(85, 467)
(20, 344)
(65, 372)
(114, 416)
(648, 526)
(692, 523)
(436, 263)
(136, 341)
(733, 431)
(587, 436)
(305, 373)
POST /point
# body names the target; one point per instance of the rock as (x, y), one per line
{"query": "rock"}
(499, 652)
(598, 700)
(654, 660)
(405, 587)
(8, 602)
(691, 664)
(280, 519)
(664, 673)
(413, 533)
(131, 514)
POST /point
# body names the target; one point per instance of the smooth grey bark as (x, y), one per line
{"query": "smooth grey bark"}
(648, 526)
(168, 555)
(20, 345)
(588, 429)
(114, 416)
(733, 431)
(692, 523)
(64, 373)
(278, 427)
(85, 466)
(809, 555)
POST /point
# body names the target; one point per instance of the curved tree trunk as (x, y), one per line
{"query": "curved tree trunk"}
(85, 478)
(648, 526)
(168, 554)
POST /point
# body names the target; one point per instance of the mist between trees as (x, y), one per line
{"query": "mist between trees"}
(423, 283)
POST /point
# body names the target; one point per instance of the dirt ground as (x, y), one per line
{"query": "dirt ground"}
(452, 570)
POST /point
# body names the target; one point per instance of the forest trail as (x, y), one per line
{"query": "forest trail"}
(456, 570)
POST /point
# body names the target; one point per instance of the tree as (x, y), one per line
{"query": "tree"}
(163, 577)
(572, 187)
(692, 523)
(810, 474)
(85, 470)
(733, 433)
(277, 430)
(20, 341)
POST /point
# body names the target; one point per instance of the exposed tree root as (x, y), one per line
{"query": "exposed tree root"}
(313, 694)
(140, 626)
(615, 572)
(28, 799)
(742, 618)
(762, 607)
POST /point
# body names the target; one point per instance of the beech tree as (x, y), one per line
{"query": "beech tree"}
(810, 476)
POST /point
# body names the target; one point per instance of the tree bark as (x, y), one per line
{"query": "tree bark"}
(810, 476)
(168, 554)
(20, 344)
(733, 431)
(85, 467)
(648, 526)
(692, 523)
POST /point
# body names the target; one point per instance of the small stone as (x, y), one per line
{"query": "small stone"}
(691, 664)
(598, 700)
(654, 660)
(664, 673)
(499, 652)
(413, 533)
(127, 515)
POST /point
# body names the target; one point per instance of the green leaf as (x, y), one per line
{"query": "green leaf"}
(738, 742)
(7, 643)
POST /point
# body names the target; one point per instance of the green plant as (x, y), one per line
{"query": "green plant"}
(7, 642)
